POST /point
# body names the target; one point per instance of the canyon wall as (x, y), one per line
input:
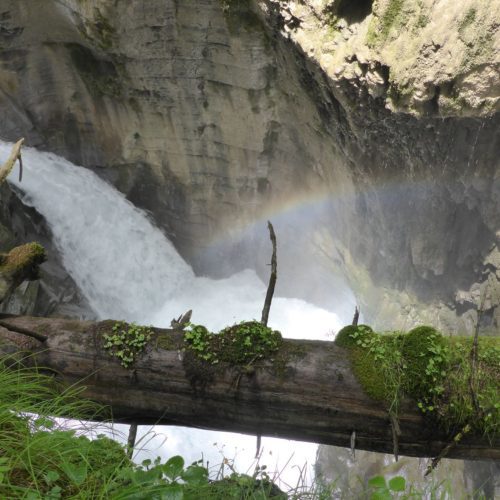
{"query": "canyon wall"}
(213, 114)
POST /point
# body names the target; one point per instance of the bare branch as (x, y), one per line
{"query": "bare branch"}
(7, 167)
(272, 278)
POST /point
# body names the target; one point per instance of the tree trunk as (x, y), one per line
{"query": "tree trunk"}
(306, 392)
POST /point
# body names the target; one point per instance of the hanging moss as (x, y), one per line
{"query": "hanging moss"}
(433, 370)
(353, 335)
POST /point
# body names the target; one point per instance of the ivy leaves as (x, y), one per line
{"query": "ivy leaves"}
(127, 341)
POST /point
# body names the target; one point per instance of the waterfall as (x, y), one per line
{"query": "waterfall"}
(127, 269)
(124, 266)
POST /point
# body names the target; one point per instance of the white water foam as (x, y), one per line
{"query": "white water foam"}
(127, 269)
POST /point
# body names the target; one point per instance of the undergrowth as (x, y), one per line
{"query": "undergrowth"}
(41, 459)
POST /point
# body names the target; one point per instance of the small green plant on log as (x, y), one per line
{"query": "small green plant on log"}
(127, 342)
(239, 344)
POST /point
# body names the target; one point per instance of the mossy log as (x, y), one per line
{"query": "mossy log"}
(307, 391)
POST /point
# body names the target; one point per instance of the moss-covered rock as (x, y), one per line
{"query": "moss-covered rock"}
(22, 259)
(424, 351)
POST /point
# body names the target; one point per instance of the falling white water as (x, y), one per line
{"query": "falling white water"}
(127, 269)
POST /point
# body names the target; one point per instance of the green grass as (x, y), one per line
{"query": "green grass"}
(42, 459)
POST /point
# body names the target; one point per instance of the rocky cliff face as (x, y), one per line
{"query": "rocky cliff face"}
(211, 114)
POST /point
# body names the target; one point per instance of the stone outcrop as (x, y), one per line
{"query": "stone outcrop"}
(420, 56)
(212, 114)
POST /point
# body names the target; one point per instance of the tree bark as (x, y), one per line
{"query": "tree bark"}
(307, 392)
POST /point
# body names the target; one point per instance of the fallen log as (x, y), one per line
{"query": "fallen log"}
(305, 391)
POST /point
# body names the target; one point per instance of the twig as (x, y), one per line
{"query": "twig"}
(269, 297)
(458, 437)
(272, 278)
(20, 167)
(396, 432)
(259, 441)
(132, 435)
(15, 154)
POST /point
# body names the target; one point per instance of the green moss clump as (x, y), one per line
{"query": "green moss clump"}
(455, 406)
(425, 352)
(238, 344)
(23, 261)
(198, 340)
(353, 335)
(433, 370)
(369, 374)
(247, 342)
(167, 341)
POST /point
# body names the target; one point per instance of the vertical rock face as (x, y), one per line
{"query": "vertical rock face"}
(195, 113)
(211, 114)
